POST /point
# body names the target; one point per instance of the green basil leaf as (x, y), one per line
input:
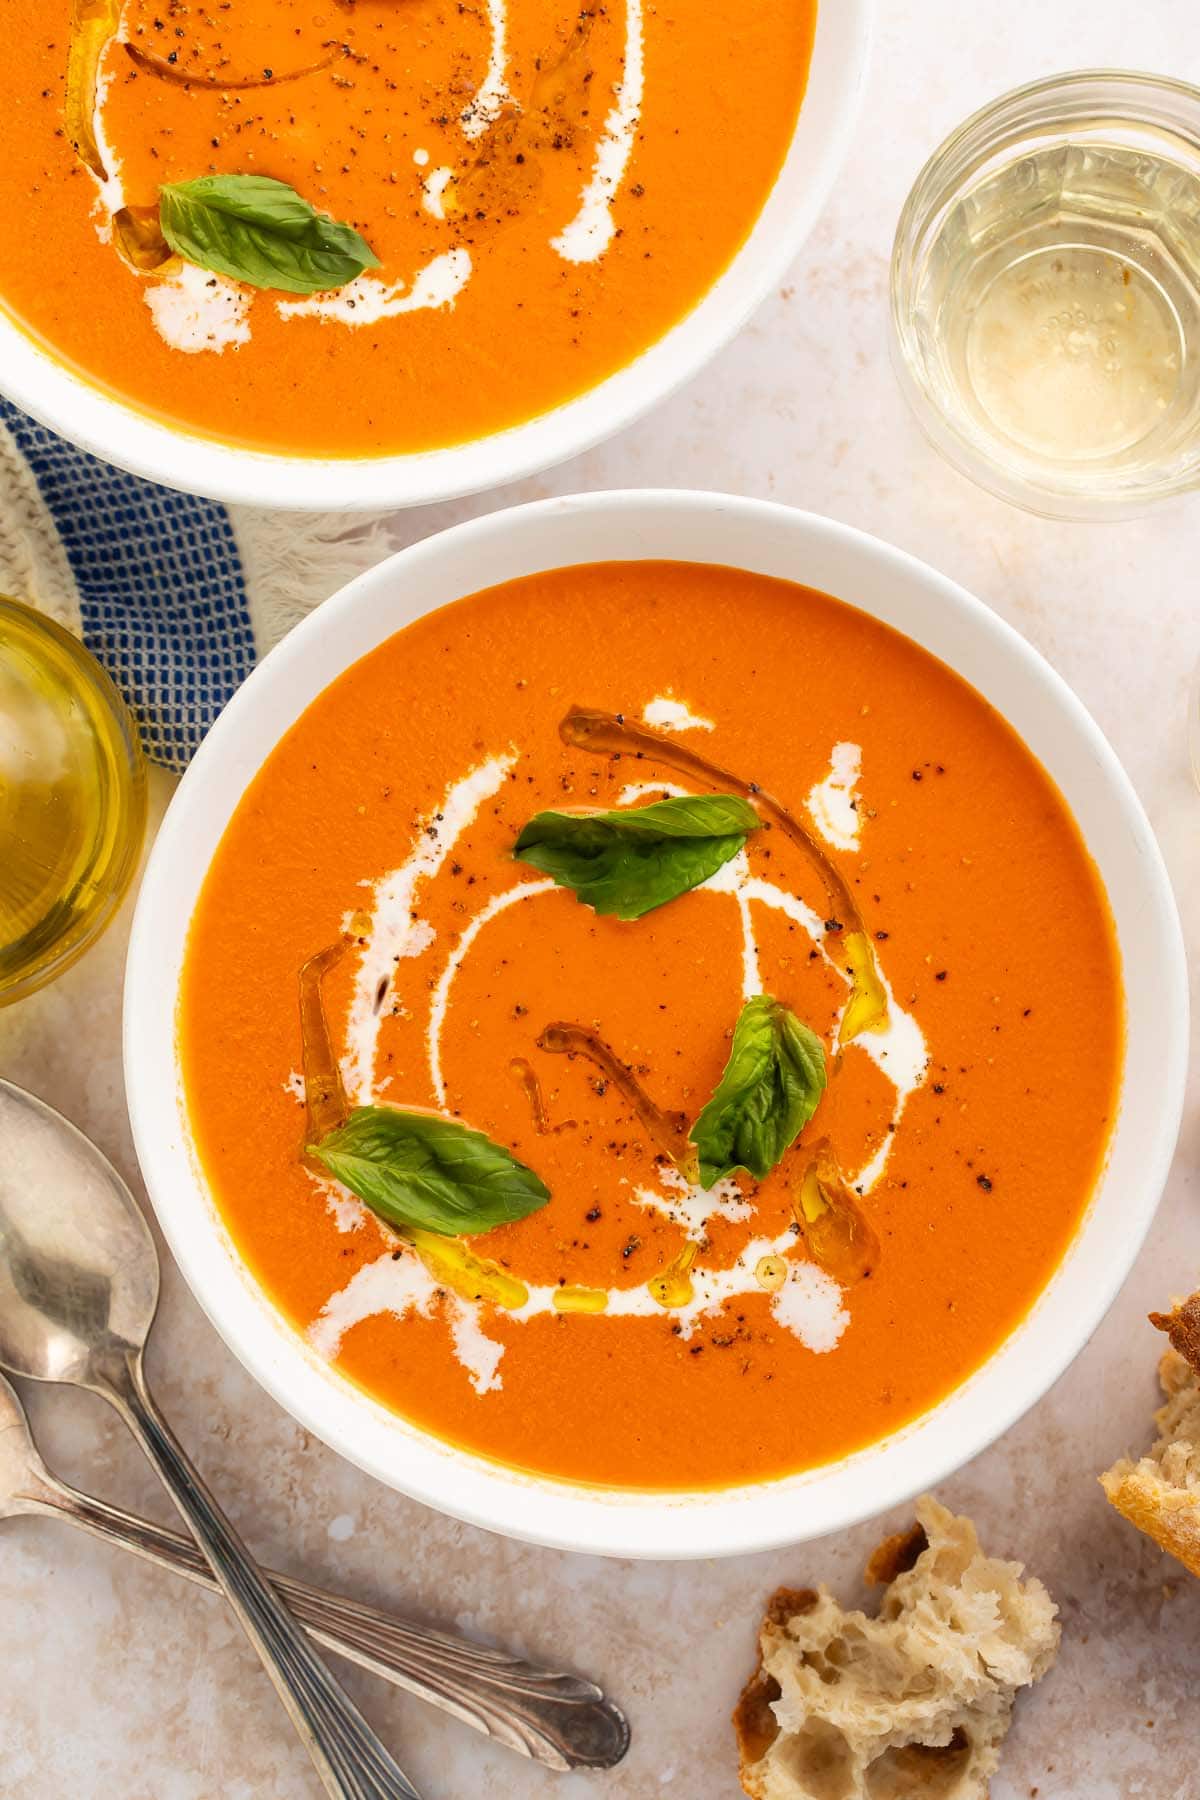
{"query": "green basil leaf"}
(422, 1170)
(635, 858)
(772, 1083)
(262, 232)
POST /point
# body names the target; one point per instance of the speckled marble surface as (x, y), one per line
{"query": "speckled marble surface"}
(119, 1684)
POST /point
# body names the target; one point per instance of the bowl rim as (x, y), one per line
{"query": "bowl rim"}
(566, 1515)
(101, 422)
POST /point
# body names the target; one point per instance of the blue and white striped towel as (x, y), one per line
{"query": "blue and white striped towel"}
(176, 596)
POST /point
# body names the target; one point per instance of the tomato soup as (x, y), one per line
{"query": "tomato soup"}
(924, 1162)
(544, 192)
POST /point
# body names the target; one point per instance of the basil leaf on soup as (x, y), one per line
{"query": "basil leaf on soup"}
(421, 1170)
(634, 858)
(262, 232)
(772, 1084)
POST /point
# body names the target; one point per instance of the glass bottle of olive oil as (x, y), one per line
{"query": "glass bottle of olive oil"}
(72, 799)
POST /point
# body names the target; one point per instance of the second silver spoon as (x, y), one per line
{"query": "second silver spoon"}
(560, 1720)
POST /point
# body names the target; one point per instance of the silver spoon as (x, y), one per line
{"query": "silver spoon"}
(78, 1291)
(559, 1720)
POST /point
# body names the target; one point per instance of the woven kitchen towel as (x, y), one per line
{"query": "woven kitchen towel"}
(176, 596)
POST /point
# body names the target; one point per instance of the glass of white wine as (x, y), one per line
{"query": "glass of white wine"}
(1046, 294)
(72, 799)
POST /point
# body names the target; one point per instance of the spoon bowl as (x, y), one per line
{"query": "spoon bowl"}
(78, 1267)
(23, 1475)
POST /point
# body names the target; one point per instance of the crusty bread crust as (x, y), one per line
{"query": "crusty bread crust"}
(1160, 1493)
(757, 1728)
(1182, 1326)
(753, 1719)
(896, 1555)
(1172, 1520)
(911, 1705)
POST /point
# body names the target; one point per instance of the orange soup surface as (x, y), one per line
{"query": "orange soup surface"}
(546, 189)
(967, 1128)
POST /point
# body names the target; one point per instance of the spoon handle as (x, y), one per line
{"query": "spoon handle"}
(560, 1720)
(348, 1756)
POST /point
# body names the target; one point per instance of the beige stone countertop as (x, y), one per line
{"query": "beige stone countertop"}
(119, 1683)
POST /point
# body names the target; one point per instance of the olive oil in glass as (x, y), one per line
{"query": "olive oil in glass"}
(1046, 294)
(72, 799)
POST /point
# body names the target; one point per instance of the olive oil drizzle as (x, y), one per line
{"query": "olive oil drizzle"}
(569, 1299)
(673, 1287)
(836, 1232)
(162, 70)
(93, 23)
(612, 734)
(473, 1278)
(325, 1102)
(526, 1079)
(667, 1130)
(139, 239)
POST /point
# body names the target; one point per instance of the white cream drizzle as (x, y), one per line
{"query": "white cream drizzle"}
(402, 1285)
(690, 1206)
(819, 1328)
(592, 230)
(498, 903)
(833, 801)
(493, 93)
(194, 310)
(633, 790)
(810, 1304)
(478, 1353)
(394, 931)
(395, 1284)
(346, 1209)
(668, 714)
(365, 300)
(110, 196)
(735, 879)
(433, 189)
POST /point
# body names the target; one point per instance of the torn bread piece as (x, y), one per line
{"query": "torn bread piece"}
(914, 1702)
(1160, 1493)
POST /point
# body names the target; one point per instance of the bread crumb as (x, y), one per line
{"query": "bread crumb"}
(915, 1701)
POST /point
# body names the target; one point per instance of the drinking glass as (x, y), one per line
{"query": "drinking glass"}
(1045, 294)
